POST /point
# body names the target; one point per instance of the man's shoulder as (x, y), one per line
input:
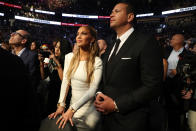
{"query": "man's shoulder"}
(141, 32)
(142, 38)
(31, 53)
(185, 53)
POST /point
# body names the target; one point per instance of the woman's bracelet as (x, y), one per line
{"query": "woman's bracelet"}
(58, 65)
(72, 110)
(61, 104)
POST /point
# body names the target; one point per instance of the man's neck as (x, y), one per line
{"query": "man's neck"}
(17, 49)
(121, 30)
(177, 48)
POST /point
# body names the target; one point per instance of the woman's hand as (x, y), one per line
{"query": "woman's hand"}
(40, 57)
(59, 110)
(67, 116)
(52, 56)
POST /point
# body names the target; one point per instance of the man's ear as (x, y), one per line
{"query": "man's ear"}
(105, 47)
(130, 17)
(24, 41)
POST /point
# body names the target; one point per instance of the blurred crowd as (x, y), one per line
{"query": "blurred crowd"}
(42, 49)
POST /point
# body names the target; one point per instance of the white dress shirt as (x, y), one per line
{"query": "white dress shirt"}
(173, 60)
(20, 53)
(123, 38)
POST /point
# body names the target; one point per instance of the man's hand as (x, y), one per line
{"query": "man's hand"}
(186, 94)
(104, 104)
(173, 72)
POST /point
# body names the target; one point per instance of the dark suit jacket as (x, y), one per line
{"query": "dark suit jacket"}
(17, 96)
(133, 80)
(30, 59)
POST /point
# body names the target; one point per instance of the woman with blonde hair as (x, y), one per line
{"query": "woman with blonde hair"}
(82, 71)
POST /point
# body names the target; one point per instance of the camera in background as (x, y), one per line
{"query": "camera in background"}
(44, 50)
(187, 70)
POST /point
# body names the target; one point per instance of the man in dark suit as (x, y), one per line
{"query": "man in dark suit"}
(19, 41)
(132, 75)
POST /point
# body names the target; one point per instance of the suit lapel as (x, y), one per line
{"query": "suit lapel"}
(105, 61)
(24, 55)
(126, 46)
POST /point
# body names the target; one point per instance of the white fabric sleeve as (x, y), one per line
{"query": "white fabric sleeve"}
(93, 86)
(64, 82)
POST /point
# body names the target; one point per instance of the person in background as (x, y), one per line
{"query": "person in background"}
(132, 75)
(18, 96)
(5, 45)
(34, 46)
(82, 71)
(193, 48)
(192, 97)
(19, 41)
(54, 42)
(54, 70)
(102, 47)
(176, 105)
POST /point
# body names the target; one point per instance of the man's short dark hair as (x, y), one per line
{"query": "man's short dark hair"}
(28, 37)
(130, 8)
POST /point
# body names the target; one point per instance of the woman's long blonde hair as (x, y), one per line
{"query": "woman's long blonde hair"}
(90, 60)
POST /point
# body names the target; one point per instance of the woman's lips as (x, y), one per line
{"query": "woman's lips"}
(79, 41)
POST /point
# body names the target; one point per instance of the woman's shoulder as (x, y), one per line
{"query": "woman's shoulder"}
(98, 61)
(69, 55)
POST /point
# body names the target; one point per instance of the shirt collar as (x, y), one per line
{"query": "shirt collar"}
(20, 53)
(124, 37)
(180, 50)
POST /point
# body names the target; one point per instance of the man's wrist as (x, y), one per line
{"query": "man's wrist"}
(115, 107)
